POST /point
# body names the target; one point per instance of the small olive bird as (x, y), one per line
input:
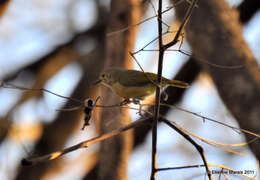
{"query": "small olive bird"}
(134, 84)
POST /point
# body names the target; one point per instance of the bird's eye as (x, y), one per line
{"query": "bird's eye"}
(103, 75)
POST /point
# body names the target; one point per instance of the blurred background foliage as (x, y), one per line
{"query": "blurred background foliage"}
(61, 46)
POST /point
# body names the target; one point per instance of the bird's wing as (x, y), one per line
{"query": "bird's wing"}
(135, 78)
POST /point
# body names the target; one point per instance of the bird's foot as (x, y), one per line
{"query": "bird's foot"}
(140, 112)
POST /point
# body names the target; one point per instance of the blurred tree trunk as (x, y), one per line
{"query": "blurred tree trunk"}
(3, 6)
(215, 36)
(114, 152)
(247, 9)
(50, 65)
(55, 134)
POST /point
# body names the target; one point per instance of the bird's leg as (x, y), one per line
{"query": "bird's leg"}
(137, 102)
(140, 111)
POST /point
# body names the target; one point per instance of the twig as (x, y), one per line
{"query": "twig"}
(142, 49)
(153, 7)
(145, 20)
(184, 22)
(236, 129)
(199, 59)
(162, 49)
(210, 142)
(11, 86)
(216, 144)
(131, 54)
(202, 165)
(103, 137)
(83, 144)
(198, 147)
(87, 143)
(213, 120)
(158, 97)
(212, 64)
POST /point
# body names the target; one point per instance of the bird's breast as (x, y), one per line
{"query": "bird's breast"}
(133, 91)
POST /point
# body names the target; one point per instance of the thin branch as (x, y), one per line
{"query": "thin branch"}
(143, 21)
(154, 83)
(212, 64)
(236, 129)
(100, 138)
(240, 99)
(87, 143)
(83, 144)
(162, 49)
(202, 165)
(153, 40)
(209, 142)
(12, 86)
(217, 144)
(82, 105)
(153, 7)
(213, 120)
(158, 96)
(198, 147)
(198, 59)
(184, 22)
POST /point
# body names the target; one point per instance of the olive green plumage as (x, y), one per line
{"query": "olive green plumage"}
(133, 83)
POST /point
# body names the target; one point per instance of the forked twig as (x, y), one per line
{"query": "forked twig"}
(82, 105)
(162, 49)
(143, 21)
(85, 144)
(198, 147)
(197, 58)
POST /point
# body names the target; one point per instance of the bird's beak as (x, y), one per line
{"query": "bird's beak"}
(97, 82)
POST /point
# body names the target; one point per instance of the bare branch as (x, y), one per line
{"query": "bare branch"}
(198, 147)
(202, 165)
(84, 144)
(224, 44)
(162, 49)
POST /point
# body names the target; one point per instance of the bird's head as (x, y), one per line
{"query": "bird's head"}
(108, 77)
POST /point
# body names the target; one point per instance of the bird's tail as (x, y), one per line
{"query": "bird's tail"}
(176, 83)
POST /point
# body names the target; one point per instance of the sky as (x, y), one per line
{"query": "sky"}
(44, 26)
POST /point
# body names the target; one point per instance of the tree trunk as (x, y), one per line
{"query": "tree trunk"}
(114, 152)
(215, 36)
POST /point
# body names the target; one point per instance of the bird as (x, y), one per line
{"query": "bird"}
(134, 84)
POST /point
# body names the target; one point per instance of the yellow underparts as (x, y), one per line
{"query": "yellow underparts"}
(133, 91)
